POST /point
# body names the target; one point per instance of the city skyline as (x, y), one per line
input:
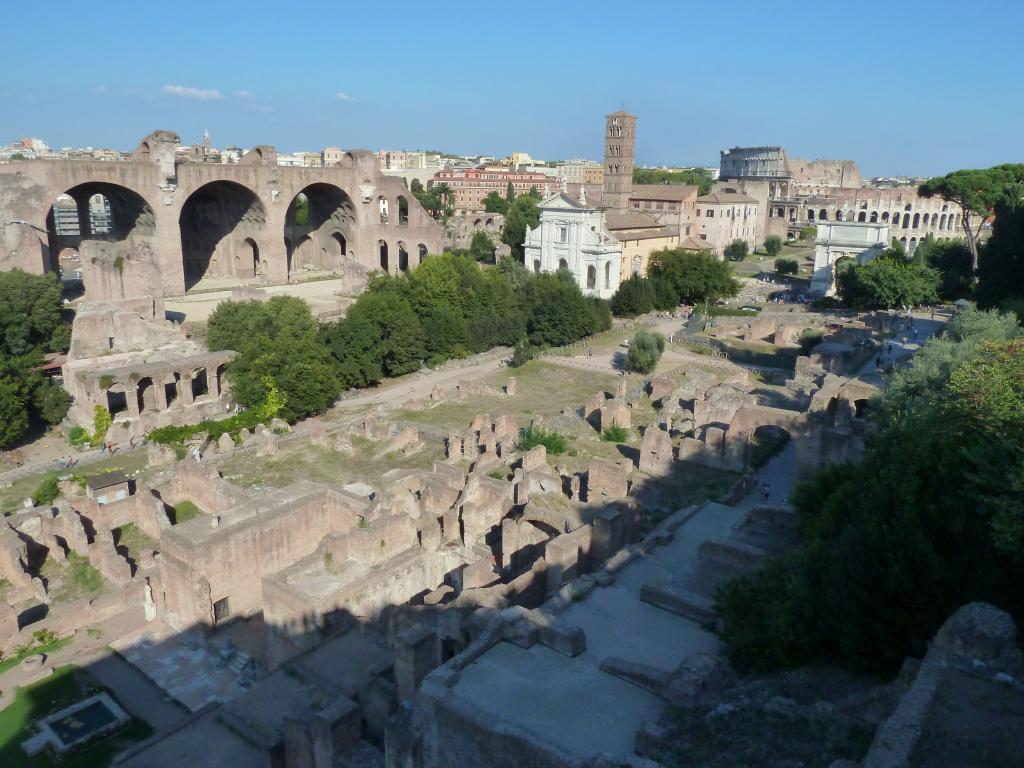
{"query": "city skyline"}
(416, 80)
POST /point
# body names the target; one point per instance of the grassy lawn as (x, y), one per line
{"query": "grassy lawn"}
(46, 648)
(11, 498)
(185, 510)
(76, 580)
(325, 465)
(66, 686)
(543, 389)
(131, 538)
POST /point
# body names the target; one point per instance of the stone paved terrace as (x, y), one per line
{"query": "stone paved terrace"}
(570, 703)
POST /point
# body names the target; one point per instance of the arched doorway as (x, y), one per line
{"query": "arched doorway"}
(403, 210)
(591, 277)
(563, 264)
(765, 442)
(94, 211)
(257, 268)
(422, 251)
(200, 384)
(382, 251)
(146, 394)
(403, 257)
(341, 242)
(216, 221)
(326, 215)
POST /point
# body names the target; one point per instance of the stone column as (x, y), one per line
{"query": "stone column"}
(131, 395)
(160, 390)
(416, 655)
(213, 381)
(185, 389)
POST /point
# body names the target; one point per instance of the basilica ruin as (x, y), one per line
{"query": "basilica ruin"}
(165, 225)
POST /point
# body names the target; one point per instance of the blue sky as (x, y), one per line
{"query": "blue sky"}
(902, 87)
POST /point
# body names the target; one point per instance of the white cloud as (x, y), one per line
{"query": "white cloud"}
(100, 89)
(200, 94)
(245, 94)
(342, 96)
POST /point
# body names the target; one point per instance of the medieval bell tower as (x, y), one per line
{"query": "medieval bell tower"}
(619, 143)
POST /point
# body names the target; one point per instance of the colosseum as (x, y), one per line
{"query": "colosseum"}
(156, 225)
(910, 217)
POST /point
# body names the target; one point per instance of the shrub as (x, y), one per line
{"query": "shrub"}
(808, 233)
(101, 421)
(635, 296)
(522, 354)
(615, 434)
(644, 352)
(787, 266)
(737, 250)
(47, 491)
(772, 246)
(532, 436)
(78, 436)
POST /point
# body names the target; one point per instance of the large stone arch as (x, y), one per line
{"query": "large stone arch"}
(219, 222)
(113, 225)
(746, 422)
(324, 214)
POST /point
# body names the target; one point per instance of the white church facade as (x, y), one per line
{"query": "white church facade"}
(574, 236)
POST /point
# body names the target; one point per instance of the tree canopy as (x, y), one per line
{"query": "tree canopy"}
(890, 280)
(690, 277)
(30, 326)
(929, 520)
(737, 250)
(495, 203)
(277, 341)
(523, 214)
(952, 260)
(977, 191)
(644, 352)
(635, 296)
(772, 246)
(698, 177)
(481, 248)
(1001, 263)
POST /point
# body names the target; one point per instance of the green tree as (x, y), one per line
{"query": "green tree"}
(534, 192)
(787, 266)
(51, 401)
(635, 296)
(523, 215)
(698, 177)
(481, 248)
(929, 520)
(644, 352)
(556, 311)
(773, 246)
(886, 282)
(379, 336)
(13, 413)
(30, 314)
(977, 192)
(737, 250)
(277, 341)
(495, 203)
(510, 193)
(952, 260)
(1001, 262)
(300, 214)
(692, 277)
